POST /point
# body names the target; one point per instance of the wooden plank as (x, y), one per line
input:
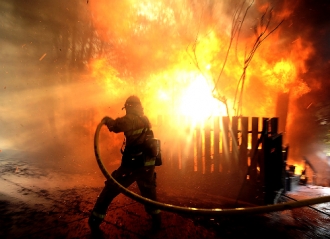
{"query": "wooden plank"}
(274, 126)
(188, 161)
(165, 141)
(175, 146)
(243, 157)
(235, 135)
(180, 143)
(261, 161)
(199, 149)
(254, 149)
(225, 145)
(182, 156)
(216, 146)
(207, 147)
(273, 171)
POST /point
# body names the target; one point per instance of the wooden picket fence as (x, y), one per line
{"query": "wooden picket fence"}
(225, 148)
(217, 146)
(238, 157)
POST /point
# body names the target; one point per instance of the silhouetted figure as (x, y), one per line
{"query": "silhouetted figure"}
(137, 165)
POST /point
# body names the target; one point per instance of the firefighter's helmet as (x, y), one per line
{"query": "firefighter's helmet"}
(132, 102)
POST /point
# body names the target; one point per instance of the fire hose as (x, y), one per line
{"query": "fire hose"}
(200, 211)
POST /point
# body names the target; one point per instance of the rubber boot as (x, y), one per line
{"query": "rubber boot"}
(156, 222)
(94, 224)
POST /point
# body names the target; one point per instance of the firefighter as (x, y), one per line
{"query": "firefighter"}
(136, 165)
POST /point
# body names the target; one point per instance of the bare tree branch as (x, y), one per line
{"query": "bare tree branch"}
(236, 28)
(248, 58)
(261, 31)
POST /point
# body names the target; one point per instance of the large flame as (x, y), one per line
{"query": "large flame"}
(198, 103)
(182, 59)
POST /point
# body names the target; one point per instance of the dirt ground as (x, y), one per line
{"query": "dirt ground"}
(43, 202)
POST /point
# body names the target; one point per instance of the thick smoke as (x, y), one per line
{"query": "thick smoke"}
(52, 97)
(47, 101)
(309, 21)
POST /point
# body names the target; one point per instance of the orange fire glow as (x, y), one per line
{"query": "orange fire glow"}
(198, 103)
(184, 54)
(298, 169)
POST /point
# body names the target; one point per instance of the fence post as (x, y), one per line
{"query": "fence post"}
(199, 149)
(254, 149)
(274, 126)
(243, 156)
(188, 164)
(216, 144)
(264, 135)
(225, 145)
(234, 133)
(207, 147)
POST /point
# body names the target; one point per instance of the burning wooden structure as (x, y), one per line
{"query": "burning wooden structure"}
(241, 158)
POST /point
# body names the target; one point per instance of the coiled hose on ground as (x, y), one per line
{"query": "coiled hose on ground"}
(201, 211)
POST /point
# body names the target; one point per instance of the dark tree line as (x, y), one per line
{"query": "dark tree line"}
(61, 34)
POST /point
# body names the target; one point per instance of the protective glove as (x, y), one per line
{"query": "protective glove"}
(109, 122)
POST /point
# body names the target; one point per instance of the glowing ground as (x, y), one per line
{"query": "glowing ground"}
(37, 202)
